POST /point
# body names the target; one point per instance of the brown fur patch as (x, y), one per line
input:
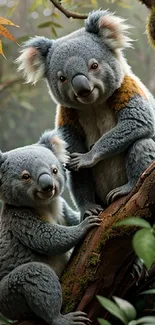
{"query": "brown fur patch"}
(121, 97)
(68, 116)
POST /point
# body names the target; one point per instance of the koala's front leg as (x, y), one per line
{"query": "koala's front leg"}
(81, 160)
(135, 121)
(46, 238)
(34, 289)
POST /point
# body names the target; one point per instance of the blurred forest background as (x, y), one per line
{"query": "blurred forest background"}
(26, 110)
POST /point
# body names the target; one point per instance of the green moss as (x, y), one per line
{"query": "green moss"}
(104, 238)
(69, 278)
(93, 259)
(70, 306)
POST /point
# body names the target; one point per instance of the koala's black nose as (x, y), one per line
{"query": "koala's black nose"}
(81, 85)
(45, 182)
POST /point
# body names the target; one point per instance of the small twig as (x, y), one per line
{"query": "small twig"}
(149, 3)
(9, 83)
(67, 13)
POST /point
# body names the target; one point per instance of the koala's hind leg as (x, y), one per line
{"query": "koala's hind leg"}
(34, 289)
(139, 156)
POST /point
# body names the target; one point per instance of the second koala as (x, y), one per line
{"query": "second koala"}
(37, 231)
(105, 113)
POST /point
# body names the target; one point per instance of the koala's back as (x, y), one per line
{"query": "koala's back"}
(12, 252)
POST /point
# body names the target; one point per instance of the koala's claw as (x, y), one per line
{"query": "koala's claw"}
(93, 211)
(91, 221)
(77, 318)
(118, 192)
(80, 160)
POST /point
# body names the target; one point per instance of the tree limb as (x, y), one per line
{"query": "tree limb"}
(104, 264)
(67, 13)
(8, 83)
(149, 3)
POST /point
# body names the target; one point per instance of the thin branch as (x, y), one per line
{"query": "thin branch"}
(9, 83)
(67, 13)
(149, 3)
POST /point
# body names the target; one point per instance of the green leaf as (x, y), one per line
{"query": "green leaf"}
(124, 5)
(46, 24)
(55, 14)
(35, 5)
(133, 221)
(133, 322)
(112, 308)
(144, 246)
(150, 291)
(27, 105)
(11, 10)
(128, 309)
(103, 321)
(56, 25)
(45, 3)
(146, 319)
(94, 3)
(54, 32)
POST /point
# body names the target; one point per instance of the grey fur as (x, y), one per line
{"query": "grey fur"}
(37, 232)
(109, 141)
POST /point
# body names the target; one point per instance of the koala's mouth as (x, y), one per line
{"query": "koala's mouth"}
(48, 194)
(89, 97)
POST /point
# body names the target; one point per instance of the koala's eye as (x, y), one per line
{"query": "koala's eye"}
(26, 176)
(94, 66)
(62, 78)
(55, 171)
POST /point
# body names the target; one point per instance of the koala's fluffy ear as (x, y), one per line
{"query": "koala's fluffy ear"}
(110, 28)
(33, 58)
(52, 141)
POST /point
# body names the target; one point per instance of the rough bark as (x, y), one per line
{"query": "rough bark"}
(105, 263)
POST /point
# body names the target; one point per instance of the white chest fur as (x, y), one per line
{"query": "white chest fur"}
(109, 173)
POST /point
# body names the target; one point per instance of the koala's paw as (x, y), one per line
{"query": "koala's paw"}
(118, 192)
(80, 160)
(95, 209)
(77, 318)
(90, 222)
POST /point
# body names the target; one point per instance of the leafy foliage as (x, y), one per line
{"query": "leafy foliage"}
(144, 239)
(124, 311)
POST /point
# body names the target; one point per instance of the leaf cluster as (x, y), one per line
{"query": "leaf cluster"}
(124, 311)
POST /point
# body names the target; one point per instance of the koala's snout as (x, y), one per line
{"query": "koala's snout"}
(45, 182)
(81, 85)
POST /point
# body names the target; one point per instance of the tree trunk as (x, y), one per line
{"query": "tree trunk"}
(105, 263)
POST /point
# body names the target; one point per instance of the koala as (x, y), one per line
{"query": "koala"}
(37, 231)
(104, 112)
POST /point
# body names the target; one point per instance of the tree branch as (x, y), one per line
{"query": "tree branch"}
(149, 3)
(9, 83)
(67, 13)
